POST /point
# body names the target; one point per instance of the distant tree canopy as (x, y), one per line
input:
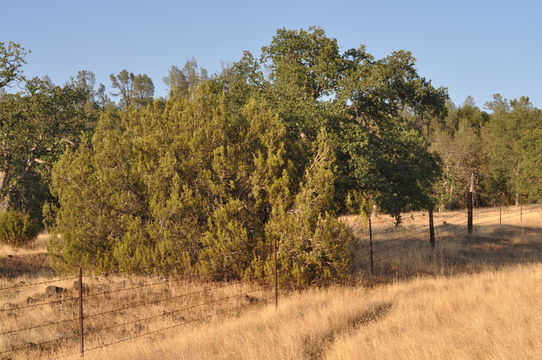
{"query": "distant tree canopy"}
(495, 151)
(12, 59)
(271, 149)
(133, 90)
(35, 127)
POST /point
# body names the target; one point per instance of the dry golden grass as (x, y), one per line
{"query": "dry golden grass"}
(489, 315)
(470, 298)
(158, 302)
(404, 251)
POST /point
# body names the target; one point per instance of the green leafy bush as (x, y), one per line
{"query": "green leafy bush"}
(17, 229)
(191, 187)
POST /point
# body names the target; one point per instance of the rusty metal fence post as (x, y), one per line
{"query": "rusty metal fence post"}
(81, 319)
(276, 273)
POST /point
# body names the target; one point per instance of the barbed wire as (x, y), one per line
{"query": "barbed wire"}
(152, 302)
(32, 345)
(38, 283)
(162, 329)
(511, 216)
(142, 286)
(17, 308)
(447, 227)
(167, 313)
(38, 326)
(444, 228)
(402, 230)
(157, 301)
(455, 216)
(26, 346)
(415, 231)
(377, 243)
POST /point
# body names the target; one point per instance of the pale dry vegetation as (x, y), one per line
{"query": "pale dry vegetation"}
(468, 298)
(115, 308)
(489, 315)
(403, 251)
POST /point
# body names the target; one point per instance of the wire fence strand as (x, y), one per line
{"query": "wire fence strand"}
(186, 322)
(38, 283)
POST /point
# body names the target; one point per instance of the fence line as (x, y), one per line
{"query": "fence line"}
(155, 301)
(441, 229)
(382, 252)
(207, 289)
(163, 329)
(177, 310)
(96, 294)
(141, 286)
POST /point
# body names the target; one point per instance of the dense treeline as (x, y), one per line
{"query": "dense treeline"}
(270, 150)
(495, 154)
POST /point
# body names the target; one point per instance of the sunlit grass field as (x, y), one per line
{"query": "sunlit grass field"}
(475, 297)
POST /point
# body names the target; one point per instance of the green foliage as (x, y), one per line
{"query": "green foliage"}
(313, 246)
(12, 58)
(35, 127)
(377, 108)
(182, 82)
(269, 151)
(489, 150)
(189, 187)
(17, 229)
(156, 185)
(210, 179)
(529, 175)
(227, 248)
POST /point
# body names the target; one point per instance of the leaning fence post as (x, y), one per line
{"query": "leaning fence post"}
(371, 245)
(81, 328)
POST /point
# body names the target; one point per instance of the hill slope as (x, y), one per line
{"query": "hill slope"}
(490, 315)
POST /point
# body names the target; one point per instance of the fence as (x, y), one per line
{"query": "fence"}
(87, 328)
(460, 224)
(250, 295)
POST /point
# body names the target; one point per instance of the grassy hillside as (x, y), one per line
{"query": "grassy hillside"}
(489, 315)
(468, 298)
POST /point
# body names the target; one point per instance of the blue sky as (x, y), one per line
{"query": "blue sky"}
(472, 47)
